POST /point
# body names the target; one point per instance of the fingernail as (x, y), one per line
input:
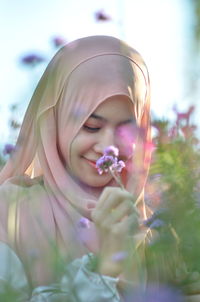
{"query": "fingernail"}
(91, 205)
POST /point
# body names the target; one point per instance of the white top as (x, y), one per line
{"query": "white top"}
(78, 284)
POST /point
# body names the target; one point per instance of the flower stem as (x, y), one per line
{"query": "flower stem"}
(117, 178)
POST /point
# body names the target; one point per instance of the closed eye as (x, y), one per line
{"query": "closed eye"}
(91, 129)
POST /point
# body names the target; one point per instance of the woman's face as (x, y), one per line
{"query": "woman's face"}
(112, 123)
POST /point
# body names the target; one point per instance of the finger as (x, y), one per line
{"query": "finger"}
(107, 201)
(128, 226)
(91, 205)
(113, 197)
(120, 212)
(108, 193)
(116, 208)
(87, 213)
(105, 212)
(132, 223)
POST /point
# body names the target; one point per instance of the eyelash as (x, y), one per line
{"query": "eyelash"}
(91, 129)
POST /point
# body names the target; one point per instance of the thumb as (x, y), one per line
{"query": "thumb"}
(91, 205)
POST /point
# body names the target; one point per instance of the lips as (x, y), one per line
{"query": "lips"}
(91, 162)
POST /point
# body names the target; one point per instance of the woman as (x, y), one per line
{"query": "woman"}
(55, 208)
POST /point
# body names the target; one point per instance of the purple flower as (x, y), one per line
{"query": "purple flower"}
(110, 161)
(104, 162)
(84, 223)
(183, 115)
(158, 219)
(8, 149)
(157, 224)
(101, 16)
(119, 256)
(58, 41)
(32, 59)
(14, 124)
(118, 166)
(112, 151)
(153, 293)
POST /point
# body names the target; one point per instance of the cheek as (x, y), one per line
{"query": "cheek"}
(127, 138)
(81, 143)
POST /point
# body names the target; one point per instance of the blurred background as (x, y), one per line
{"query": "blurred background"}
(165, 32)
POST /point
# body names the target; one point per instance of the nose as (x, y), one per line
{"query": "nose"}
(105, 139)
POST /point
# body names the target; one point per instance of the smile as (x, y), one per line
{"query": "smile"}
(91, 163)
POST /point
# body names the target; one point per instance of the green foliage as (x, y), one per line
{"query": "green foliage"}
(2, 161)
(176, 164)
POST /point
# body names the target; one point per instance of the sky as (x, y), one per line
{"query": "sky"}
(158, 29)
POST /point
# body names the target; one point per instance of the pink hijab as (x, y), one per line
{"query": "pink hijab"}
(40, 204)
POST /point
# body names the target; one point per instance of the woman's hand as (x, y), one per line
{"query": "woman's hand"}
(116, 218)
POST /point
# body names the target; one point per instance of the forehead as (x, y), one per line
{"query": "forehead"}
(116, 107)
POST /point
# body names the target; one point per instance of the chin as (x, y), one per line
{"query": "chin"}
(95, 181)
(100, 183)
(98, 186)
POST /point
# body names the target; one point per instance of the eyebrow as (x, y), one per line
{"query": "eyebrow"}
(101, 118)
